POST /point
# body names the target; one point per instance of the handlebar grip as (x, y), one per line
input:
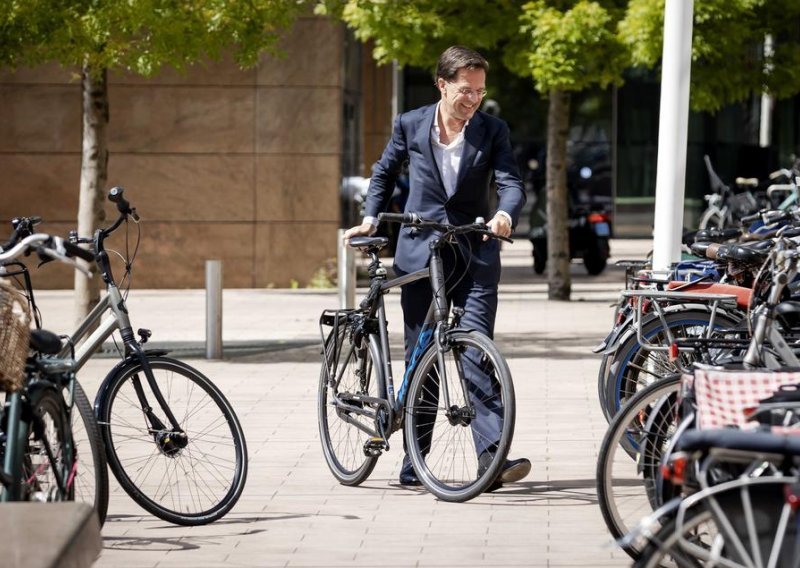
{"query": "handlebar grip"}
(407, 218)
(80, 252)
(751, 218)
(123, 206)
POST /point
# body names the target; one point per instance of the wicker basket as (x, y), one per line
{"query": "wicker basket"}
(14, 337)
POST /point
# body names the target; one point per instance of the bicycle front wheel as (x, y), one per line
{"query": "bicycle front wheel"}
(91, 478)
(627, 488)
(187, 480)
(449, 443)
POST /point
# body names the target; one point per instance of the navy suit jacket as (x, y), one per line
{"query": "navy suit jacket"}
(487, 155)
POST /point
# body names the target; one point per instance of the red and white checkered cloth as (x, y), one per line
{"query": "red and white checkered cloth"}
(722, 396)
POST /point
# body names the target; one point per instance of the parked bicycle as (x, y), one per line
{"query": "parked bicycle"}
(437, 401)
(41, 458)
(172, 439)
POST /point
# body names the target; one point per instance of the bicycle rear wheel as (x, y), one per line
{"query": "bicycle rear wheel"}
(626, 488)
(356, 374)
(48, 464)
(715, 530)
(191, 480)
(91, 480)
(444, 444)
(634, 367)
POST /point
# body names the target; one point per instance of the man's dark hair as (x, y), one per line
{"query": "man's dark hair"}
(458, 57)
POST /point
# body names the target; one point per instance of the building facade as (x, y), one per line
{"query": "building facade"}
(221, 163)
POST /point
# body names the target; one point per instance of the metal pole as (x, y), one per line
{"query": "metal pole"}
(346, 272)
(213, 309)
(673, 128)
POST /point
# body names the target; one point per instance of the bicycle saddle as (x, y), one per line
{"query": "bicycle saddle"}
(376, 243)
(753, 254)
(45, 342)
(716, 235)
(733, 439)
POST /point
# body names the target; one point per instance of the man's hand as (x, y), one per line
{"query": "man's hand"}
(499, 225)
(362, 230)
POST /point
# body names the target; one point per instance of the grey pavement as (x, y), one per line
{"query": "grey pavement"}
(293, 512)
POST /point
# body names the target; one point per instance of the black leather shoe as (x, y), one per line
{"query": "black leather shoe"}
(512, 470)
(408, 476)
(515, 470)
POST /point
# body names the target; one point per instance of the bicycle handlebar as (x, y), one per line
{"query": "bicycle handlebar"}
(479, 226)
(49, 247)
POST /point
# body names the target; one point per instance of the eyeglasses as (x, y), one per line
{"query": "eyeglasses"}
(466, 91)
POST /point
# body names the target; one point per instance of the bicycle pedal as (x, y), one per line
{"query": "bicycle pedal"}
(375, 447)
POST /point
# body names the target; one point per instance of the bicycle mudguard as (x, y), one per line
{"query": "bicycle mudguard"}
(102, 391)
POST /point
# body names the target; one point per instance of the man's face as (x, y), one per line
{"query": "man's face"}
(462, 95)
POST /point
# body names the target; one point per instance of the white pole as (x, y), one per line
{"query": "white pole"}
(673, 126)
(346, 273)
(765, 126)
(213, 309)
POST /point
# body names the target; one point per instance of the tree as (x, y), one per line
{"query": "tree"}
(565, 46)
(138, 36)
(729, 63)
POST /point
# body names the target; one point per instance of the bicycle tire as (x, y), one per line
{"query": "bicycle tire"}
(211, 469)
(685, 545)
(449, 476)
(345, 455)
(623, 494)
(47, 449)
(634, 367)
(91, 482)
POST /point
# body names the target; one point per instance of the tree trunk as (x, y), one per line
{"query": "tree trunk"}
(94, 173)
(558, 258)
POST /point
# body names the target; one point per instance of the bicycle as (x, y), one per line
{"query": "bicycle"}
(91, 480)
(40, 455)
(359, 409)
(171, 438)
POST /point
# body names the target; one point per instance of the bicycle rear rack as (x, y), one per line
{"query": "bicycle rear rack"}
(659, 299)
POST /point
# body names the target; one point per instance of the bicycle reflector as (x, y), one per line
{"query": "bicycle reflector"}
(673, 352)
(791, 492)
(674, 470)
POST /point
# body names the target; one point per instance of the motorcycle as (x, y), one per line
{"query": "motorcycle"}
(590, 229)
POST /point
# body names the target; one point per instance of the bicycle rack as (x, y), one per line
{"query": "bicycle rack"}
(658, 298)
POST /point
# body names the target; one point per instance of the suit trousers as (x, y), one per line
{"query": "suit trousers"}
(480, 305)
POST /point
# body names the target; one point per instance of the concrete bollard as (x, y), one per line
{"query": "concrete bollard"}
(346, 273)
(213, 309)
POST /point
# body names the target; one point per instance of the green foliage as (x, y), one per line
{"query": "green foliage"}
(728, 61)
(569, 46)
(139, 35)
(415, 32)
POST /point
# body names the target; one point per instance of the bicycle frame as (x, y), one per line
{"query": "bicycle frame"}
(432, 330)
(103, 328)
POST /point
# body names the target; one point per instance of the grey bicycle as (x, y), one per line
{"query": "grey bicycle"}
(172, 439)
(454, 374)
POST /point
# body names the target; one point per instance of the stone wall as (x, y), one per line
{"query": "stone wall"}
(221, 163)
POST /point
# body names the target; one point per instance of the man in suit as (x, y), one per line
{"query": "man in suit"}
(454, 152)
